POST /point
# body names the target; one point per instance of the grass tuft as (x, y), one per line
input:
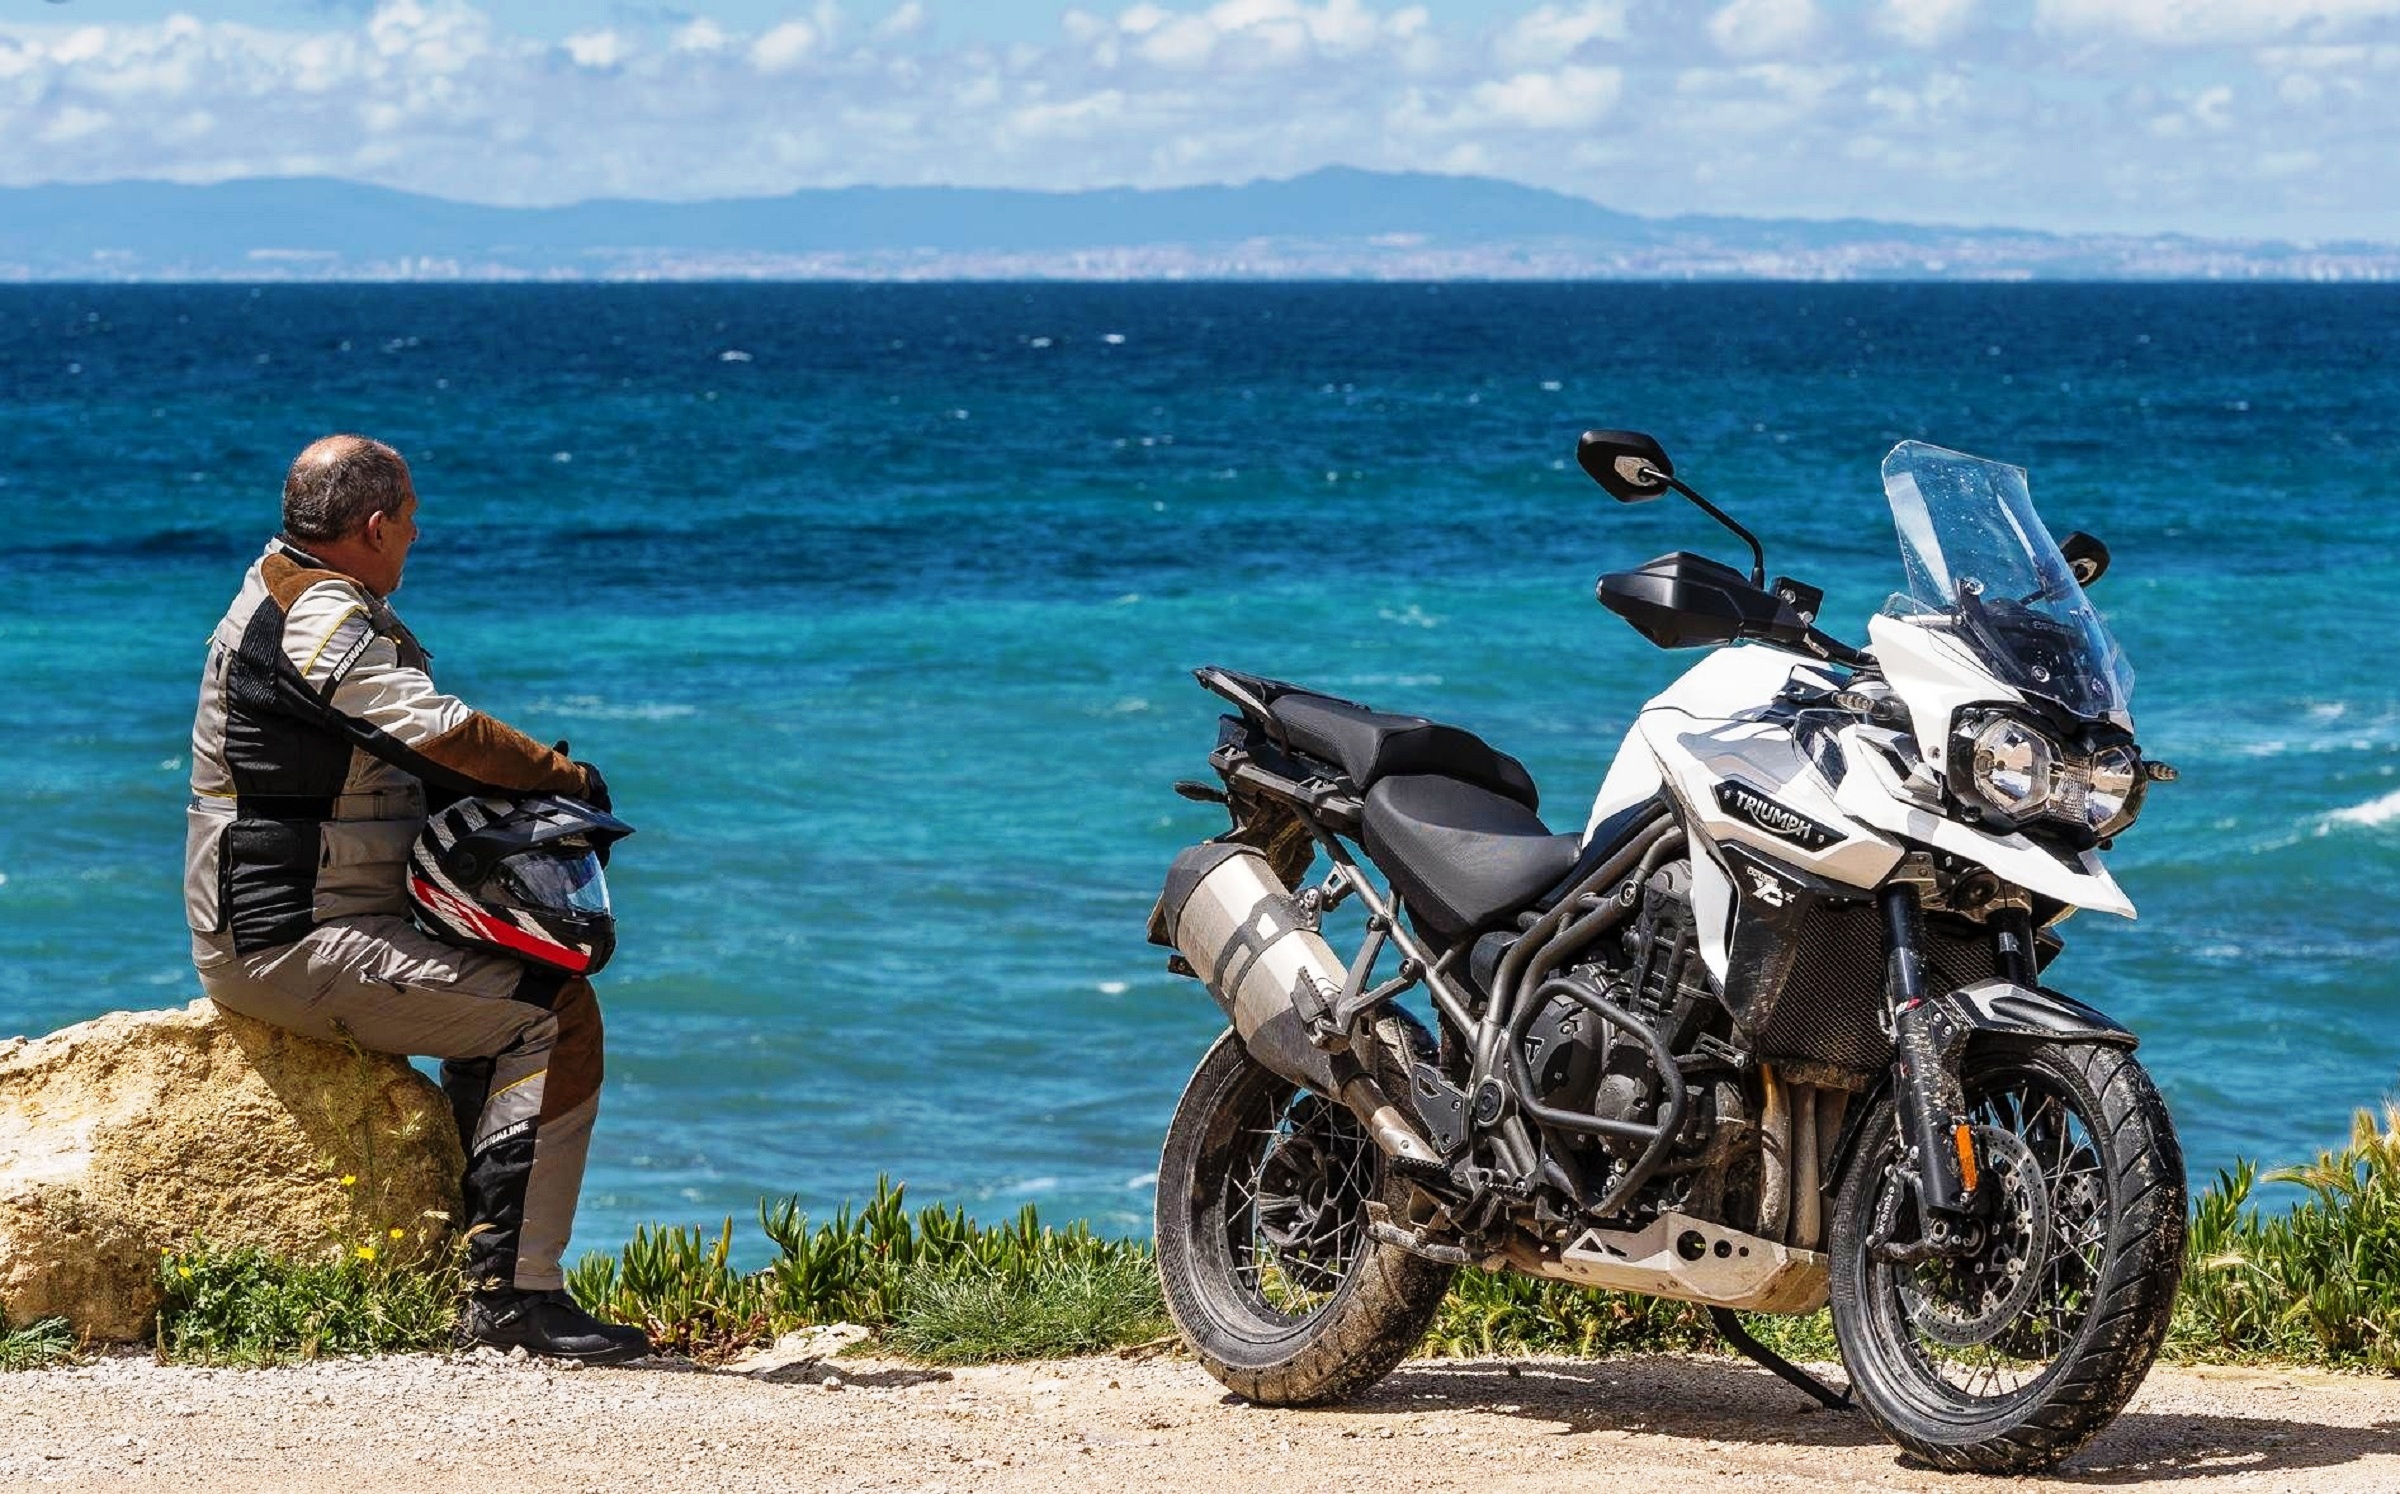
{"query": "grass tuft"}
(2319, 1284)
(974, 1316)
(246, 1307)
(867, 1266)
(1491, 1314)
(37, 1345)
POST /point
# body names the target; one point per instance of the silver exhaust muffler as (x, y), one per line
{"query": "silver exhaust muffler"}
(1238, 927)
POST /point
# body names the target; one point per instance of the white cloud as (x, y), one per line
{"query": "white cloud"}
(2208, 22)
(1924, 23)
(1180, 41)
(73, 123)
(83, 44)
(783, 47)
(701, 35)
(596, 49)
(1572, 98)
(442, 37)
(905, 20)
(1762, 28)
(1553, 33)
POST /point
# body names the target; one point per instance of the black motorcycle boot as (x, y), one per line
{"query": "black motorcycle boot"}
(548, 1324)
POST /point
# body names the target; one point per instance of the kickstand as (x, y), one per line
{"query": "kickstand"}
(1735, 1334)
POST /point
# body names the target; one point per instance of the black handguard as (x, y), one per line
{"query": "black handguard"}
(596, 794)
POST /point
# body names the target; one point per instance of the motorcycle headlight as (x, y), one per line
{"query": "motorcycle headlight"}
(2110, 803)
(2013, 774)
(2010, 766)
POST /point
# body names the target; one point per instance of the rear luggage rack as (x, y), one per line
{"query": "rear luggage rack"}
(1333, 799)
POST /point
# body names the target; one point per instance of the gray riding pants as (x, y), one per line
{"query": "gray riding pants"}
(521, 1051)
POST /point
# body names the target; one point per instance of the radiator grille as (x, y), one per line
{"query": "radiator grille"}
(1827, 1011)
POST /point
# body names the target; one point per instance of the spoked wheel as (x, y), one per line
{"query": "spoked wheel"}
(1263, 1248)
(2012, 1357)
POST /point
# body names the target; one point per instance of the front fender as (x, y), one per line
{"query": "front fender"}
(2004, 1008)
(1991, 1009)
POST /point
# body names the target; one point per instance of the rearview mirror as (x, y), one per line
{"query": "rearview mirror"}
(1631, 466)
(2086, 557)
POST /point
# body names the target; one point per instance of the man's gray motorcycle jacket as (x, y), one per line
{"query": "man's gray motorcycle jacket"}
(318, 735)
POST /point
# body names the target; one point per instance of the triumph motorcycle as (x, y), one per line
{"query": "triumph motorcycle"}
(1772, 1031)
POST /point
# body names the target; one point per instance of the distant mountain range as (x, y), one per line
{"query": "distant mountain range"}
(1335, 223)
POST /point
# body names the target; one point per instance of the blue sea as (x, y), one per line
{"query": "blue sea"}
(876, 604)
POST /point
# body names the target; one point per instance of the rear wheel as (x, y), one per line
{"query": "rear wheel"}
(1263, 1248)
(2011, 1359)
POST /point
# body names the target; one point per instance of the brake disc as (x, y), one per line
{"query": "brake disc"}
(1964, 1302)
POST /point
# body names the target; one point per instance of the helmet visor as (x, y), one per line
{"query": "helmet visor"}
(557, 879)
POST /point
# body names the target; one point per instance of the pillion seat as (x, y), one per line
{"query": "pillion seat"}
(1449, 818)
(1370, 746)
(1461, 857)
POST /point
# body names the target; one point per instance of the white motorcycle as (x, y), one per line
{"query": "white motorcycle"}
(1772, 1031)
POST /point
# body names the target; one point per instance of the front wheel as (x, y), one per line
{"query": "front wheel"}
(2011, 1359)
(1263, 1249)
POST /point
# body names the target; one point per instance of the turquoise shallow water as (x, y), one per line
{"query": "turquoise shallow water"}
(881, 632)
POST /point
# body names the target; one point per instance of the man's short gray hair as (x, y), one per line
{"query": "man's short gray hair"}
(338, 483)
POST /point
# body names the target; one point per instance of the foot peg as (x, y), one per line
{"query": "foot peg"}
(1410, 1154)
(1380, 1228)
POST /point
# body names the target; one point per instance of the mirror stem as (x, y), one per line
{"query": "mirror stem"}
(1758, 554)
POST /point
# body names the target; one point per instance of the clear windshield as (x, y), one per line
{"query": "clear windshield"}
(1982, 567)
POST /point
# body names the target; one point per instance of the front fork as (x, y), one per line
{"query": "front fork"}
(1937, 1139)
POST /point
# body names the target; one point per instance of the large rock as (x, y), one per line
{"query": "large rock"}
(143, 1131)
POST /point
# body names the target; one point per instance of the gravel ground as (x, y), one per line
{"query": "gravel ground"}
(482, 1422)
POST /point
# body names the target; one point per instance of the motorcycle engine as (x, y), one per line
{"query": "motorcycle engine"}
(1654, 974)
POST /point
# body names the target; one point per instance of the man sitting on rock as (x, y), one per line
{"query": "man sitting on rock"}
(318, 738)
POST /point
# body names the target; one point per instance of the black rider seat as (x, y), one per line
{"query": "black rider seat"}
(1370, 746)
(1462, 857)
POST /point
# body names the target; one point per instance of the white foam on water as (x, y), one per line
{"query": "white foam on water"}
(1112, 988)
(1113, 339)
(1146, 1180)
(593, 708)
(2378, 811)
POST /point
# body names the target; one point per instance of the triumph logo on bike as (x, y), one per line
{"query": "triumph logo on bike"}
(1752, 807)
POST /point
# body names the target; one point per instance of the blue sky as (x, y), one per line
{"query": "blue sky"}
(2222, 117)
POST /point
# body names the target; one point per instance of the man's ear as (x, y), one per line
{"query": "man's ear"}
(373, 532)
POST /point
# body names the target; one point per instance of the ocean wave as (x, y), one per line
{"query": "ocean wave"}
(2382, 810)
(593, 708)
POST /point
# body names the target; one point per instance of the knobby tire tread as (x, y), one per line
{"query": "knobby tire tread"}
(2114, 1352)
(1376, 1318)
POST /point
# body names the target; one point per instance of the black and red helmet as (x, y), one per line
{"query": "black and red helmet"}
(519, 876)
